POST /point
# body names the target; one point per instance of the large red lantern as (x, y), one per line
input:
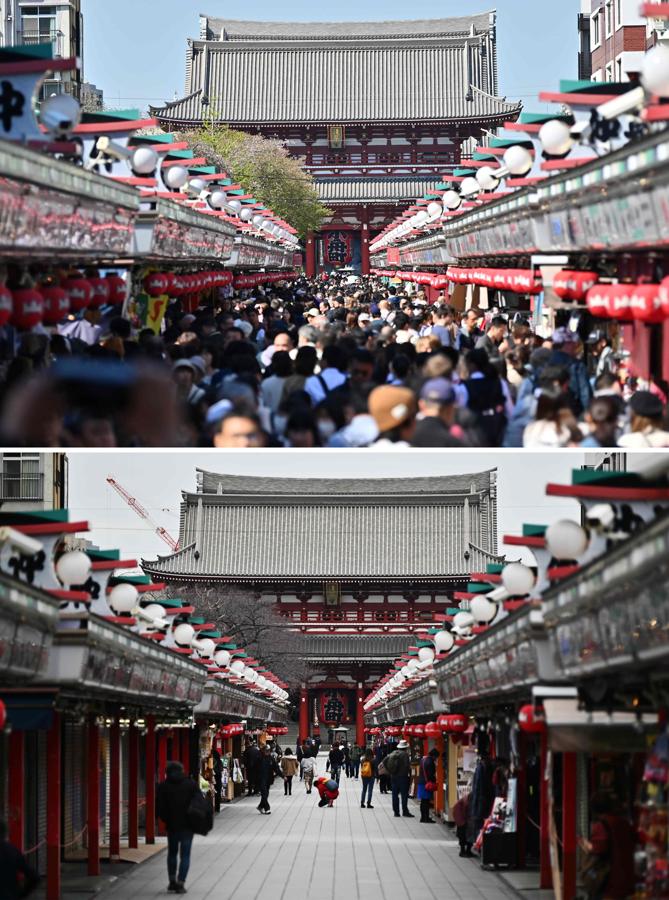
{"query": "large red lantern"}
(79, 291)
(156, 284)
(529, 721)
(418, 730)
(574, 285)
(394, 730)
(28, 308)
(433, 730)
(56, 304)
(599, 301)
(455, 723)
(646, 304)
(620, 304)
(100, 294)
(5, 305)
(118, 290)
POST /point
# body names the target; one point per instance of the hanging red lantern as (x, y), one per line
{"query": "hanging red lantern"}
(79, 291)
(646, 304)
(433, 730)
(155, 284)
(620, 301)
(418, 730)
(598, 301)
(170, 276)
(118, 290)
(5, 305)
(28, 308)
(529, 721)
(56, 304)
(178, 286)
(455, 723)
(3, 715)
(100, 292)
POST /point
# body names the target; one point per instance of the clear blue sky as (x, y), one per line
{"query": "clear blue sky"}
(135, 50)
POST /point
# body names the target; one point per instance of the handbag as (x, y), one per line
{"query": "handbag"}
(237, 776)
(429, 785)
(200, 815)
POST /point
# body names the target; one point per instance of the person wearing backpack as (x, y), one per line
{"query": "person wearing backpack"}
(173, 800)
(398, 766)
(368, 774)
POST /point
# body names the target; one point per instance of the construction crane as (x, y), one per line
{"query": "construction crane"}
(133, 503)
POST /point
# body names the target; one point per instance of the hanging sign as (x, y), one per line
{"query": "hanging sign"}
(338, 248)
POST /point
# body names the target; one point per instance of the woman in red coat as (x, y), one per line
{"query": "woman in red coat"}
(328, 790)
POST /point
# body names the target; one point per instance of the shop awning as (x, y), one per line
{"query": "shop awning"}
(519, 281)
(571, 729)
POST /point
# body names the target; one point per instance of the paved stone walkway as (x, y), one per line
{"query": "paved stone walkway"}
(302, 851)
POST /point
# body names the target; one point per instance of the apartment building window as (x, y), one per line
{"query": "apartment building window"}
(596, 37)
(21, 478)
(38, 24)
(608, 12)
(619, 13)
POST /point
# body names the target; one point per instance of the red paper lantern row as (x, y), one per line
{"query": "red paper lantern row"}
(156, 284)
(56, 304)
(454, 723)
(529, 721)
(5, 305)
(519, 281)
(254, 279)
(648, 303)
(27, 308)
(277, 729)
(433, 730)
(232, 730)
(393, 730)
(570, 285)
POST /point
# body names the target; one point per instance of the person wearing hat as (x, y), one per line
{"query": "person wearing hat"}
(394, 410)
(647, 426)
(398, 766)
(437, 403)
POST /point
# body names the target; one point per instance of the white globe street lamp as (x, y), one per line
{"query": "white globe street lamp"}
(518, 579)
(73, 568)
(566, 540)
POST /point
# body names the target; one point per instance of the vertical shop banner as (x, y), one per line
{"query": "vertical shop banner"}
(150, 311)
(338, 248)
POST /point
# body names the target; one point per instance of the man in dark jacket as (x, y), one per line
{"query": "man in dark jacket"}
(336, 761)
(173, 797)
(13, 866)
(267, 769)
(398, 764)
(251, 761)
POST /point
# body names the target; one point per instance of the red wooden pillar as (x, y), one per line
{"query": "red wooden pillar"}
(304, 714)
(359, 716)
(185, 749)
(162, 766)
(133, 786)
(310, 255)
(53, 809)
(568, 826)
(16, 801)
(150, 774)
(93, 797)
(545, 873)
(114, 790)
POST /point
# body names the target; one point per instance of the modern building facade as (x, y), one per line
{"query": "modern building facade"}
(59, 23)
(33, 481)
(357, 567)
(378, 112)
(614, 37)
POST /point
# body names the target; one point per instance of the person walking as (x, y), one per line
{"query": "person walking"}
(267, 769)
(356, 756)
(251, 761)
(289, 768)
(427, 784)
(12, 865)
(308, 771)
(173, 799)
(335, 761)
(368, 773)
(398, 766)
(460, 816)
(347, 760)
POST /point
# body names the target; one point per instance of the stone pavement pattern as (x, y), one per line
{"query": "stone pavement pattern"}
(301, 851)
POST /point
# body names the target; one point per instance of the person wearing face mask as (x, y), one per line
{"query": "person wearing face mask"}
(330, 416)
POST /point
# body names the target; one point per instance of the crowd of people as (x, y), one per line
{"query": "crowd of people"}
(346, 362)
